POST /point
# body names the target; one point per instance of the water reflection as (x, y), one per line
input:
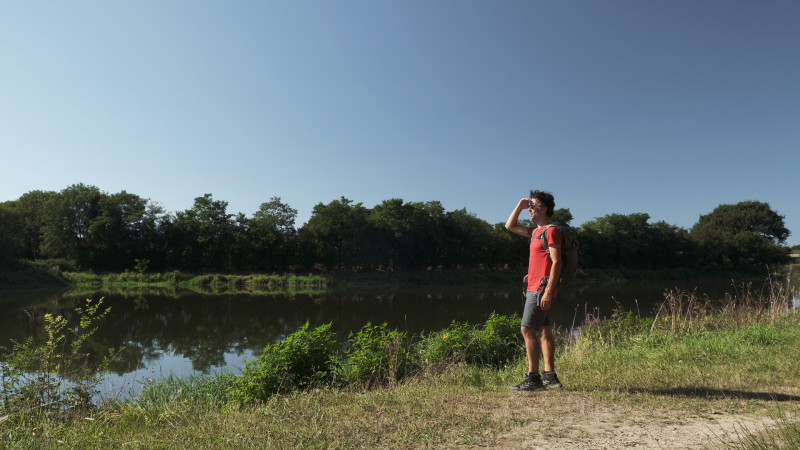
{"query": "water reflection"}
(184, 332)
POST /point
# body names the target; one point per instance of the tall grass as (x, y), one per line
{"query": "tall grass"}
(785, 434)
(683, 342)
(685, 311)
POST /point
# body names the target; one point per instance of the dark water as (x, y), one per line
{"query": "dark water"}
(191, 333)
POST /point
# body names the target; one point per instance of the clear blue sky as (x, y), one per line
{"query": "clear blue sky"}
(669, 108)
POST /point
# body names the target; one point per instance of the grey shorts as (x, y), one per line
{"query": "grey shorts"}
(533, 316)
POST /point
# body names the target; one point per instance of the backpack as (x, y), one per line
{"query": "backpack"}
(569, 252)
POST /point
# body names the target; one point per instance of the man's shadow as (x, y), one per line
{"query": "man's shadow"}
(702, 392)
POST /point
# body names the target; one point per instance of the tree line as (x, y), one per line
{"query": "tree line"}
(93, 230)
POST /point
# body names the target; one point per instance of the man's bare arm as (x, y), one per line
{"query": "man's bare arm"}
(512, 224)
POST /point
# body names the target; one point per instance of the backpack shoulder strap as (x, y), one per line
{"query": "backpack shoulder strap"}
(543, 237)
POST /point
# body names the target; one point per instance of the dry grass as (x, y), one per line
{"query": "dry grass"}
(685, 311)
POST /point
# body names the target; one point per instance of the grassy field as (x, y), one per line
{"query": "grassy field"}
(694, 367)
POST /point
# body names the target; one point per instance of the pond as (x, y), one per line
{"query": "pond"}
(188, 333)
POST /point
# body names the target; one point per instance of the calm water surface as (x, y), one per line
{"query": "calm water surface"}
(188, 333)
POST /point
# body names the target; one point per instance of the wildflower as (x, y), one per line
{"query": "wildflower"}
(446, 336)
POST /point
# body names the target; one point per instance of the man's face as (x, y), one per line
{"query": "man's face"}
(536, 209)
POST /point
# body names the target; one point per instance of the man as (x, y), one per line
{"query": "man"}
(544, 264)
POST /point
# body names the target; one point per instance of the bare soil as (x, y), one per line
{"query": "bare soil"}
(571, 420)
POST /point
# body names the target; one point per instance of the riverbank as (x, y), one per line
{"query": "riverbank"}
(37, 274)
(691, 376)
(26, 275)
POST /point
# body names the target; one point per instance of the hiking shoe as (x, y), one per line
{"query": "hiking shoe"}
(550, 380)
(532, 382)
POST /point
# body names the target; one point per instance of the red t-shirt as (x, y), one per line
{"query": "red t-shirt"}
(539, 261)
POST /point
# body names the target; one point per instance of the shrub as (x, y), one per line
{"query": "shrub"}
(497, 343)
(375, 355)
(57, 374)
(448, 345)
(303, 359)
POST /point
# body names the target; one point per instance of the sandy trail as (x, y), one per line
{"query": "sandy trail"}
(570, 420)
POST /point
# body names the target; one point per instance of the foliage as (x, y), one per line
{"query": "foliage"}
(57, 374)
(618, 240)
(561, 216)
(302, 360)
(448, 345)
(500, 340)
(272, 235)
(100, 232)
(374, 355)
(338, 232)
(748, 232)
(11, 239)
(496, 344)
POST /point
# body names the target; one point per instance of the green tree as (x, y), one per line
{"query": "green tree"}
(121, 231)
(468, 239)
(67, 224)
(31, 207)
(272, 235)
(670, 246)
(393, 222)
(561, 216)
(430, 223)
(407, 235)
(749, 232)
(508, 250)
(618, 240)
(200, 238)
(335, 234)
(12, 241)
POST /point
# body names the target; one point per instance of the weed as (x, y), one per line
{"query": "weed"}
(302, 360)
(57, 375)
(374, 356)
(495, 345)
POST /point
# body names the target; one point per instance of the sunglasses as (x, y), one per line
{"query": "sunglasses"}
(532, 205)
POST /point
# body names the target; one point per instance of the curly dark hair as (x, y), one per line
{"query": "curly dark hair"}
(545, 198)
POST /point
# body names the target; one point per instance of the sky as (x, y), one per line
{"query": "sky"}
(669, 108)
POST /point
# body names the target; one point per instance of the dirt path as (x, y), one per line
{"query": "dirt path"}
(579, 421)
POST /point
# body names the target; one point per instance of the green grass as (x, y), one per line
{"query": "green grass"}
(732, 359)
